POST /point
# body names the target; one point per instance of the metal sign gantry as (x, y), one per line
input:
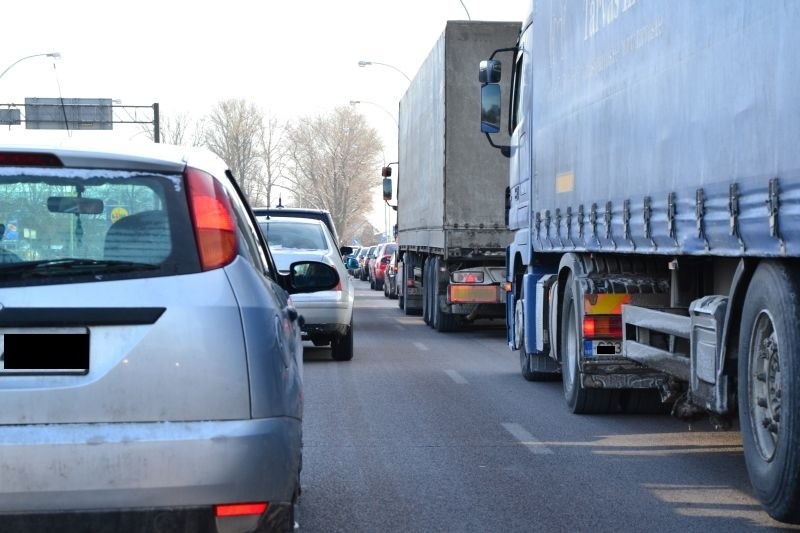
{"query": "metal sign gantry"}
(78, 114)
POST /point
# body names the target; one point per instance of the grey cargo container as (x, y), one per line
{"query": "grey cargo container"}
(451, 183)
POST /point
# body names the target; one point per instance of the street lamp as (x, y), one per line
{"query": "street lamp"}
(55, 55)
(367, 63)
(356, 102)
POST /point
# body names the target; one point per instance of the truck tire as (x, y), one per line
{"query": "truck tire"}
(442, 322)
(342, 347)
(769, 389)
(426, 292)
(580, 400)
(534, 367)
(408, 275)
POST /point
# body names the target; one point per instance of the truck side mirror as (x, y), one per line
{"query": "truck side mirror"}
(490, 71)
(386, 172)
(387, 188)
(490, 108)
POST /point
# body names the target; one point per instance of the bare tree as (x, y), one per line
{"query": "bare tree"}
(334, 162)
(273, 155)
(234, 130)
(177, 129)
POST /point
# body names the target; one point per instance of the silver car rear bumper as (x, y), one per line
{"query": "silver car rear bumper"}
(74, 467)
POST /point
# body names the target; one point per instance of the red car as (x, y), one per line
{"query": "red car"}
(377, 267)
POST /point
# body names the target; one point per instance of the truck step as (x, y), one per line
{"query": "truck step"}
(650, 339)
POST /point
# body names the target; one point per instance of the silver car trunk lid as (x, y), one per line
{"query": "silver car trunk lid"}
(159, 349)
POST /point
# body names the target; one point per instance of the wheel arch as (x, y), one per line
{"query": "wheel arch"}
(570, 264)
(732, 327)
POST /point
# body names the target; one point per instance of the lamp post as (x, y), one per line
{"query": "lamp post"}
(356, 102)
(367, 63)
(55, 55)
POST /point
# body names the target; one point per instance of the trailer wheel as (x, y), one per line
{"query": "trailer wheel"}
(769, 389)
(425, 294)
(442, 321)
(580, 400)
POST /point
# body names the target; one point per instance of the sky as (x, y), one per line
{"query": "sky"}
(292, 58)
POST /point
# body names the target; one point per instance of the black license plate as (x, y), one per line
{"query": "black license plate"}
(46, 352)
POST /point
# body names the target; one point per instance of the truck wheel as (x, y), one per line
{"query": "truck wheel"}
(443, 322)
(342, 347)
(372, 284)
(426, 292)
(534, 367)
(769, 378)
(409, 268)
(386, 289)
(580, 400)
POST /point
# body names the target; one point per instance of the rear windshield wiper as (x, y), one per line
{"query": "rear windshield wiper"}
(49, 267)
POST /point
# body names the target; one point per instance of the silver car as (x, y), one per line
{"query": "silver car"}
(327, 314)
(151, 358)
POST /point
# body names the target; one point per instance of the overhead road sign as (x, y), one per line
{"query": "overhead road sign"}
(68, 113)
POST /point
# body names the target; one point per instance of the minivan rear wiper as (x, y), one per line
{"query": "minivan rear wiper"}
(67, 265)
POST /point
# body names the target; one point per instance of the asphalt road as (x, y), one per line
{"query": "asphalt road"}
(425, 431)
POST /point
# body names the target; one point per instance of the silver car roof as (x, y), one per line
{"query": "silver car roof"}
(127, 156)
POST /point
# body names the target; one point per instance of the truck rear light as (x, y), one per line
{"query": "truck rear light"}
(240, 509)
(212, 218)
(507, 286)
(23, 159)
(474, 294)
(602, 327)
(468, 277)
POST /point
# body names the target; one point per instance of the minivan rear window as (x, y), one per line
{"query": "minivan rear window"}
(63, 225)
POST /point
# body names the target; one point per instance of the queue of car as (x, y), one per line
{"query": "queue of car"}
(151, 342)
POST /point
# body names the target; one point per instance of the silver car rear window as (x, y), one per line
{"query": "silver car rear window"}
(281, 235)
(63, 224)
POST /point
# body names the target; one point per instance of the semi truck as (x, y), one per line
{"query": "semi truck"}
(654, 200)
(451, 233)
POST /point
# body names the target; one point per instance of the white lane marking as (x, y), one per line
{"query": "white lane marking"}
(421, 347)
(533, 444)
(455, 376)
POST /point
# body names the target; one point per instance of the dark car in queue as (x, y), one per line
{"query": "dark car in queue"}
(152, 360)
(361, 258)
(322, 215)
(364, 272)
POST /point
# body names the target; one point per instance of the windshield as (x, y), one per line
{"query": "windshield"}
(293, 235)
(76, 222)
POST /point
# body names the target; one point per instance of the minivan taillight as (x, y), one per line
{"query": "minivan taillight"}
(212, 218)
